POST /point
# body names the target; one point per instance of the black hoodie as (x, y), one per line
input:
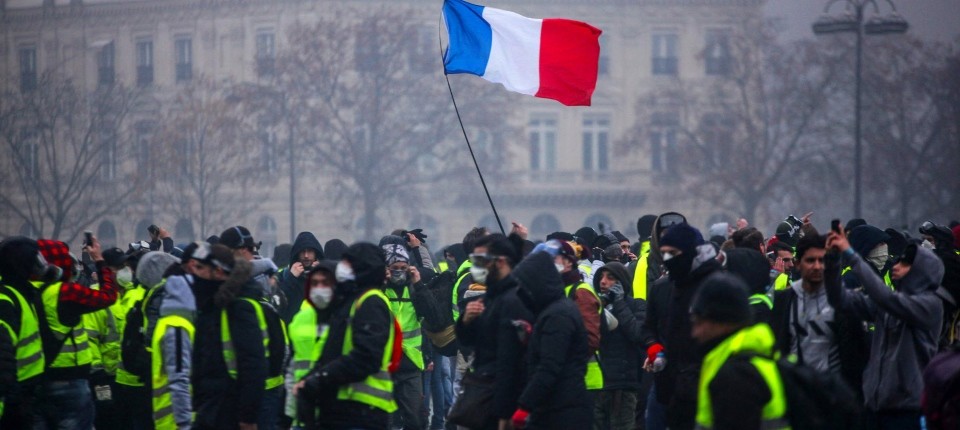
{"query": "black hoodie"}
(620, 349)
(754, 269)
(293, 286)
(556, 394)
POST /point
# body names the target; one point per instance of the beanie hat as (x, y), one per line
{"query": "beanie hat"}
(722, 298)
(396, 254)
(645, 226)
(152, 266)
(20, 259)
(570, 250)
(864, 238)
(719, 229)
(114, 257)
(237, 237)
(788, 233)
(586, 236)
(620, 237)
(683, 237)
(854, 223)
(612, 253)
(605, 240)
(560, 235)
(334, 249)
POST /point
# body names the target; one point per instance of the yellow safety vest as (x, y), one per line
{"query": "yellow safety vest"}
(462, 272)
(640, 275)
(754, 339)
(104, 337)
(229, 353)
(886, 276)
(377, 389)
(75, 350)
(443, 266)
(127, 302)
(308, 339)
(403, 310)
(163, 417)
(594, 375)
(782, 282)
(30, 360)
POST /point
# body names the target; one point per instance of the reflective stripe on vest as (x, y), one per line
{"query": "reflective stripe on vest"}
(163, 417)
(886, 276)
(755, 339)
(30, 360)
(127, 302)
(594, 375)
(377, 389)
(75, 350)
(462, 272)
(756, 299)
(229, 353)
(404, 312)
(640, 275)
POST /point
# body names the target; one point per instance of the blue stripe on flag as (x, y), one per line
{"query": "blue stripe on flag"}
(470, 38)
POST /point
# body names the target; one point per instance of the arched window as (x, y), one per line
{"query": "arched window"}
(599, 222)
(107, 235)
(141, 231)
(267, 234)
(183, 232)
(543, 225)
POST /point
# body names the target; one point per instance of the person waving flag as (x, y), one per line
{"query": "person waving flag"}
(549, 58)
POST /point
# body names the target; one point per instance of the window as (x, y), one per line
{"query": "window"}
(28, 68)
(108, 155)
(663, 142)
(183, 231)
(542, 131)
(596, 132)
(105, 65)
(266, 53)
(184, 64)
(717, 54)
(267, 233)
(268, 150)
(29, 153)
(144, 62)
(187, 149)
(142, 141)
(717, 132)
(665, 54)
(603, 66)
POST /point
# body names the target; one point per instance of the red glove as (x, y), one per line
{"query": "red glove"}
(520, 418)
(652, 351)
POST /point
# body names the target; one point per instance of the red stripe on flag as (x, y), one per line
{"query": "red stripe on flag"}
(569, 53)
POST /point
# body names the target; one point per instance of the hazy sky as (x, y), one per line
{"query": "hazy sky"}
(929, 19)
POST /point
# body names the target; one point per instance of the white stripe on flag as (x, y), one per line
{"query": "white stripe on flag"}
(514, 51)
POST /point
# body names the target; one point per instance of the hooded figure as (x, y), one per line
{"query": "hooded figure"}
(908, 321)
(871, 243)
(754, 269)
(292, 279)
(556, 395)
(334, 249)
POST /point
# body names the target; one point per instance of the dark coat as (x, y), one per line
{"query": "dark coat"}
(293, 286)
(219, 400)
(668, 322)
(621, 349)
(556, 394)
(498, 350)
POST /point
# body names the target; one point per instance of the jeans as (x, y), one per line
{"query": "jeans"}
(438, 389)
(656, 412)
(64, 405)
(615, 410)
(270, 409)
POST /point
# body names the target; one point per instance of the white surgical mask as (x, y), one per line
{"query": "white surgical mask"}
(125, 278)
(928, 244)
(344, 273)
(479, 274)
(321, 296)
(559, 267)
(878, 256)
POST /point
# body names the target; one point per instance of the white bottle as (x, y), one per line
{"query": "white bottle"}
(660, 362)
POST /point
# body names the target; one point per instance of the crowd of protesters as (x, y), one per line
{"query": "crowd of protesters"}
(582, 330)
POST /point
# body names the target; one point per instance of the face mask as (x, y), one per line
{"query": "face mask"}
(321, 296)
(878, 256)
(666, 256)
(398, 277)
(928, 244)
(679, 266)
(125, 278)
(344, 273)
(559, 267)
(479, 274)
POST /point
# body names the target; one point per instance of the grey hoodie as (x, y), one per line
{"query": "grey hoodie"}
(908, 322)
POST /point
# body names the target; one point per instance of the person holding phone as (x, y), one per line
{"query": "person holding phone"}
(160, 239)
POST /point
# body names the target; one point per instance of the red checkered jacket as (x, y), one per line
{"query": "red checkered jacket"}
(76, 299)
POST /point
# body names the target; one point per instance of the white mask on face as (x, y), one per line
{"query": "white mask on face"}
(559, 267)
(667, 256)
(479, 274)
(344, 273)
(928, 244)
(125, 277)
(321, 296)
(878, 256)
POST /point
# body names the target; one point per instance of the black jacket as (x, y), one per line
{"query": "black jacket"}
(495, 340)
(621, 349)
(556, 394)
(668, 323)
(219, 400)
(738, 392)
(293, 286)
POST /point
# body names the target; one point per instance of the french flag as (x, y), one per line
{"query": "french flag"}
(549, 58)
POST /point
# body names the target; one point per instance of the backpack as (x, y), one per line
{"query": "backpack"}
(818, 400)
(135, 340)
(432, 302)
(941, 390)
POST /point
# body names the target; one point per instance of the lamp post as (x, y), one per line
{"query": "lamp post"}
(853, 22)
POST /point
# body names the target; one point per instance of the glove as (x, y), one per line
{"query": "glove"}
(653, 350)
(419, 234)
(615, 293)
(520, 418)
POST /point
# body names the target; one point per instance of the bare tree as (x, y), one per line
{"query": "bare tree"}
(760, 115)
(62, 155)
(210, 159)
(362, 92)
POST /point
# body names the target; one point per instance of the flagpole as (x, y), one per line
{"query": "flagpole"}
(464, 130)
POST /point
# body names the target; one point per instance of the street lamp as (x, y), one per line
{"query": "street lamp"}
(852, 21)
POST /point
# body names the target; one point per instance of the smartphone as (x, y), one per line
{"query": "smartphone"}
(835, 225)
(88, 238)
